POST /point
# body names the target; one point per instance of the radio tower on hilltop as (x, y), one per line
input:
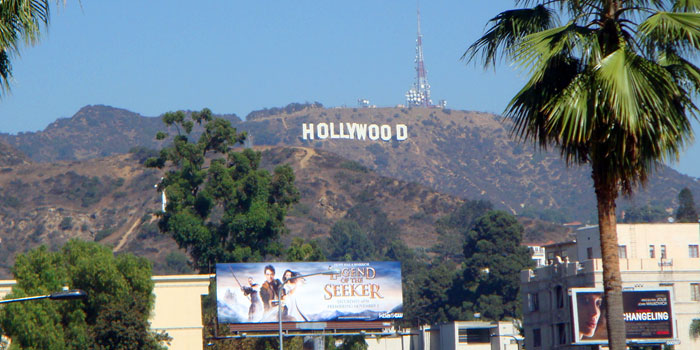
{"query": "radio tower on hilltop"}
(419, 95)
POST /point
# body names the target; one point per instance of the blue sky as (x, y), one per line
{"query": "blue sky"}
(234, 57)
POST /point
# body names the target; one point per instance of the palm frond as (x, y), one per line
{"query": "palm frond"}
(644, 113)
(631, 87)
(686, 6)
(571, 113)
(5, 71)
(535, 50)
(506, 30)
(679, 30)
(22, 19)
(528, 108)
(686, 73)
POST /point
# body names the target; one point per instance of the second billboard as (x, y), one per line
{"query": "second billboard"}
(648, 316)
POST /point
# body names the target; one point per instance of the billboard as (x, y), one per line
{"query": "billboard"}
(648, 314)
(354, 291)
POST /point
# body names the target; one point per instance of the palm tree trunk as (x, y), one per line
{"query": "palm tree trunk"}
(606, 194)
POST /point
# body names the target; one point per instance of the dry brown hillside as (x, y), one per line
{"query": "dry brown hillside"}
(10, 156)
(112, 200)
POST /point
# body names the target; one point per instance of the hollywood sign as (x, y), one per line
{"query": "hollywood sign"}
(354, 131)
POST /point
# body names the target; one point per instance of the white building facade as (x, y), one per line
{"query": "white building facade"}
(652, 256)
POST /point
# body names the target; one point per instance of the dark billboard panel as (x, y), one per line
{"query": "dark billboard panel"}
(351, 291)
(648, 314)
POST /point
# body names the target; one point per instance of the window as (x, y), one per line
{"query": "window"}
(589, 253)
(652, 254)
(536, 338)
(533, 301)
(474, 335)
(622, 251)
(462, 336)
(561, 330)
(560, 297)
(693, 251)
(663, 251)
(695, 291)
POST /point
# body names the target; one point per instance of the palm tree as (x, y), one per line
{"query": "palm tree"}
(20, 20)
(610, 85)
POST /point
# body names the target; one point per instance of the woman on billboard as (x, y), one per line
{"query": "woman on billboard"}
(291, 288)
(591, 321)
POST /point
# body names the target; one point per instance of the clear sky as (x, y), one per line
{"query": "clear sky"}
(154, 56)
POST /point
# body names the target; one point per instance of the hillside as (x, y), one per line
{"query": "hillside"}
(112, 200)
(465, 154)
(11, 156)
(93, 132)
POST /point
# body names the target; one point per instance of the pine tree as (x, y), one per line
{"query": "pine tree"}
(686, 210)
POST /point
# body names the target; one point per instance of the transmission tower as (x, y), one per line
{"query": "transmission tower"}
(419, 95)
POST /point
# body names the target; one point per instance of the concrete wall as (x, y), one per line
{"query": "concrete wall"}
(178, 309)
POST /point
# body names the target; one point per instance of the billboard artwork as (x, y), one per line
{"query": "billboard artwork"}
(310, 291)
(648, 316)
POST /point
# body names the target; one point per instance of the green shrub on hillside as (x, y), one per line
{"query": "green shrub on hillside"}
(66, 223)
(102, 234)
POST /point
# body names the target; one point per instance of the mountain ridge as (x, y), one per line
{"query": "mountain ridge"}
(466, 154)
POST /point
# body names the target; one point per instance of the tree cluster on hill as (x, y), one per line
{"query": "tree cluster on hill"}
(686, 211)
(474, 268)
(644, 214)
(227, 209)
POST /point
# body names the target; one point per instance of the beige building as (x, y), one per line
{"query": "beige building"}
(652, 256)
(178, 309)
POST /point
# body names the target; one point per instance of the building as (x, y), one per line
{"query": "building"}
(563, 250)
(651, 256)
(538, 255)
(458, 335)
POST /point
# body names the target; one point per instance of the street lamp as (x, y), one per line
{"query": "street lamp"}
(279, 296)
(62, 295)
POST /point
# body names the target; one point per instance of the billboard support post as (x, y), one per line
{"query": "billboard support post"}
(279, 296)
